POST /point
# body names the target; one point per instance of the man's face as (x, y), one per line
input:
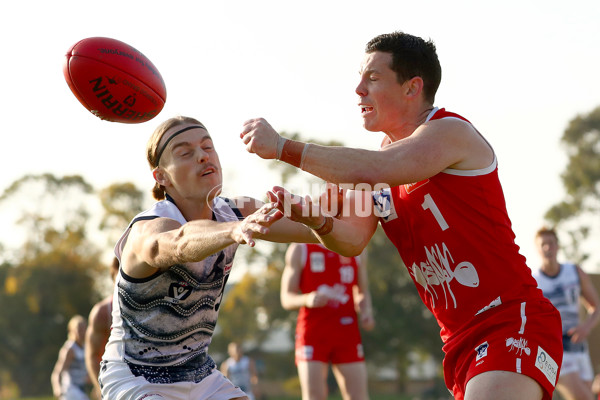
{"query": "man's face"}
(547, 246)
(381, 96)
(191, 163)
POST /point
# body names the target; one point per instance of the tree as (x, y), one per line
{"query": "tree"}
(577, 213)
(54, 273)
(121, 202)
(403, 323)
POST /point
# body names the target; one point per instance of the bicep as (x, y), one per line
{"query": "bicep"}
(148, 245)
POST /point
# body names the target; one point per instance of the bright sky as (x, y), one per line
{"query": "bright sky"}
(519, 70)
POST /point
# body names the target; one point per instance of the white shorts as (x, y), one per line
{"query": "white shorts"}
(579, 362)
(118, 383)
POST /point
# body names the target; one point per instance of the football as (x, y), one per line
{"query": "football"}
(114, 81)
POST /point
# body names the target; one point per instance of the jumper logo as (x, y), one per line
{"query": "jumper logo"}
(411, 187)
(103, 93)
(384, 205)
(437, 271)
(519, 345)
(178, 292)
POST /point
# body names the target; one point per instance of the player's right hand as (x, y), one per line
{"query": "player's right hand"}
(256, 224)
(260, 138)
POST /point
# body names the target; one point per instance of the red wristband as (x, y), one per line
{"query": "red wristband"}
(326, 228)
(292, 152)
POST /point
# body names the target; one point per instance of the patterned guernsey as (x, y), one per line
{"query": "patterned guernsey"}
(455, 237)
(563, 290)
(163, 324)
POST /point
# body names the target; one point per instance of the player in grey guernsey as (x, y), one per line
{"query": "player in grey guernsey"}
(568, 287)
(175, 259)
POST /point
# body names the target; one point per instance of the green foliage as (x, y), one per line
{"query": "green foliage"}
(403, 323)
(581, 180)
(54, 277)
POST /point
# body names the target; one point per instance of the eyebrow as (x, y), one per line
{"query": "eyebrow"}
(188, 143)
(164, 146)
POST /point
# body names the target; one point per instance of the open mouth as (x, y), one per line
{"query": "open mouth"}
(365, 109)
(208, 171)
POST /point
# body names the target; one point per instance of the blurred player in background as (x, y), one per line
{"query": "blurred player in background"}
(69, 377)
(240, 369)
(568, 287)
(328, 289)
(98, 331)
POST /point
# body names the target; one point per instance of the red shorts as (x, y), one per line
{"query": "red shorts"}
(337, 346)
(525, 338)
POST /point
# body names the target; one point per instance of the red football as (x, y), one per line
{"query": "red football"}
(114, 81)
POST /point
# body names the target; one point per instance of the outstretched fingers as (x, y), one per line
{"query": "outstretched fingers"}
(257, 224)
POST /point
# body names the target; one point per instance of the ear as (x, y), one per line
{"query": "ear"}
(414, 86)
(160, 176)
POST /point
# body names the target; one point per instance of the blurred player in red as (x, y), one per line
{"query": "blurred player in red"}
(434, 187)
(328, 289)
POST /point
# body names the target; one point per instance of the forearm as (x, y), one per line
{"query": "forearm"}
(293, 301)
(592, 320)
(197, 240)
(342, 165)
(345, 239)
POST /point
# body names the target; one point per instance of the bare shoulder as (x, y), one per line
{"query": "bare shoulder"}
(473, 151)
(100, 315)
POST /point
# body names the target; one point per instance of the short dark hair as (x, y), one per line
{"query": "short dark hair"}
(411, 56)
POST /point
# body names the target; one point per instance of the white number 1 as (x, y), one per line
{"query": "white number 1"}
(429, 204)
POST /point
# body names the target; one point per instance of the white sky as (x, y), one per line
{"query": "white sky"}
(519, 70)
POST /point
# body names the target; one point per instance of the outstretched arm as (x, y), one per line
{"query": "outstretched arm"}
(430, 149)
(159, 243)
(347, 234)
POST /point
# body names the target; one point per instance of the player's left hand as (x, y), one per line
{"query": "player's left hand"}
(297, 208)
(260, 138)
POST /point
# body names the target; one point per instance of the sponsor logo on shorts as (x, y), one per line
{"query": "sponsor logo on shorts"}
(519, 345)
(360, 352)
(305, 352)
(547, 365)
(481, 350)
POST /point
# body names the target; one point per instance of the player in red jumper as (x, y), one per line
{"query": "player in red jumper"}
(444, 209)
(328, 289)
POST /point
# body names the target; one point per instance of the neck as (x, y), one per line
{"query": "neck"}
(550, 267)
(413, 120)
